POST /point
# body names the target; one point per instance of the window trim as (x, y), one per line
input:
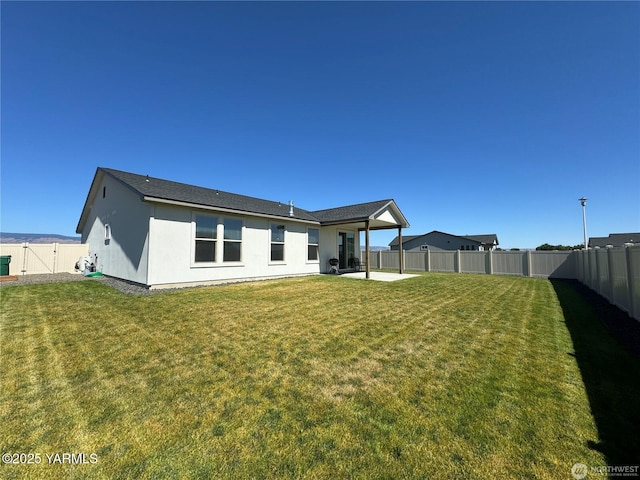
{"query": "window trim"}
(283, 243)
(195, 239)
(317, 245)
(219, 241)
(221, 225)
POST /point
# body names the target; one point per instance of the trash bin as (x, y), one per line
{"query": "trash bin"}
(5, 260)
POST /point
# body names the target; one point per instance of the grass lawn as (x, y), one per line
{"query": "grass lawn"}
(438, 376)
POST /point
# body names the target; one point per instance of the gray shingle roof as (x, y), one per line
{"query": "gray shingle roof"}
(615, 239)
(490, 239)
(157, 188)
(181, 192)
(405, 239)
(350, 213)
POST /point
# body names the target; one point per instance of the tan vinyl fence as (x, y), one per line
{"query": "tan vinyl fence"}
(32, 258)
(524, 263)
(614, 273)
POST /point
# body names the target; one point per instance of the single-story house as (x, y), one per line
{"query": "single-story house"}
(436, 240)
(161, 233)
(615, 240)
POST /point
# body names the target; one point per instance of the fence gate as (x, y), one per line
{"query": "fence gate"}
(38, 258)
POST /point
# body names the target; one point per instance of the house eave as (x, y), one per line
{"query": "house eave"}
(226, 210)
(348, 221)
(88, 203)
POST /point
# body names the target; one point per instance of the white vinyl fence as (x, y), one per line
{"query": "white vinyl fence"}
(32, 258)
(614, 273)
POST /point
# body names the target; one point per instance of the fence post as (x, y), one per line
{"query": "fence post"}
(586, 267)
(598, 268)
(380, 259)
(579, 266)
(427, 257)
(609, 293)
(630, 285)
(457, 262)
(528, 257)
(489, 263)
(25, 252)
(54, 267)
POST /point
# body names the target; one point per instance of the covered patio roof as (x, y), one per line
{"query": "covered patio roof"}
(379, 215)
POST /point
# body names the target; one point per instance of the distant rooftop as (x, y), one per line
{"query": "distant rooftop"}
(486, 239)
(615, 240)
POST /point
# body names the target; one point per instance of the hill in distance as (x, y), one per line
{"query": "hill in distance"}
(6, 237)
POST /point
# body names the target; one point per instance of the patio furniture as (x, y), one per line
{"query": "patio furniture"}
(333, 266)
(358, 265)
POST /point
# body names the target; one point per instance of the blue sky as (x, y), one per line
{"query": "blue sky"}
(483, 117)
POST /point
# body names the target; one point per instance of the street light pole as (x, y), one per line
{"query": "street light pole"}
(583, 202)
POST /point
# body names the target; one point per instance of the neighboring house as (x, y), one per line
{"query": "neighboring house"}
(161, 233)
(615, 240)
(436, 240)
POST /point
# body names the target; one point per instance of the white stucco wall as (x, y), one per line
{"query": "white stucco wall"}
(329, 244)
(172, 243)
(125, 254)
(153, 243)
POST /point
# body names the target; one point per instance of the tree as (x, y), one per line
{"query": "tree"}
(546, 246)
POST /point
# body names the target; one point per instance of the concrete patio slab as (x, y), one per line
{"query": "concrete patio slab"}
(380, 276)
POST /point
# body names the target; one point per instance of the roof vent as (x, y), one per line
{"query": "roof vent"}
(291, 208)
(146, 179)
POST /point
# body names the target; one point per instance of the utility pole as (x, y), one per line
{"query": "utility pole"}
(583, 202)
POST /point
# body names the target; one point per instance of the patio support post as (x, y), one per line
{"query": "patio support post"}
(400, 251)
(366, 248)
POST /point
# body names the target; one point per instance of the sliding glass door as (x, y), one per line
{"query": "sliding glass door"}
(346, 249)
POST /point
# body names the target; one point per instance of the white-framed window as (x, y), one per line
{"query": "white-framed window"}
(206, 235)
(277, 242)
(232, 247)
(424, 248)
(313, 240)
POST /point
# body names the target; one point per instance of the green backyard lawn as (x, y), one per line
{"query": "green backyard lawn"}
(438, 376)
